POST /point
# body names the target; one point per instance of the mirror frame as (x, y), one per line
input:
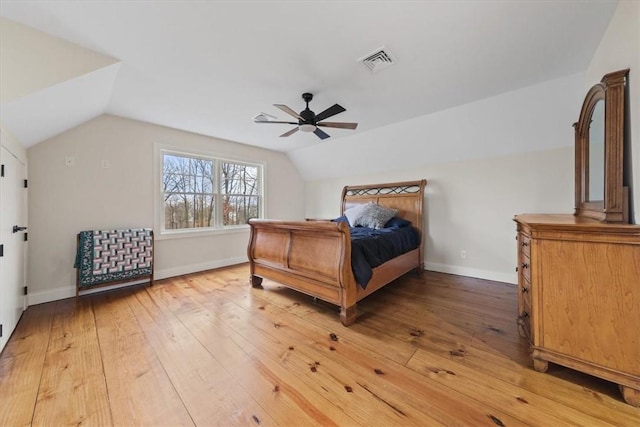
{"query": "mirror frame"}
(614, 207)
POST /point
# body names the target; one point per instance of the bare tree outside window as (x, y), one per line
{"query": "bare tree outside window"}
(192, 192)
(240, 199)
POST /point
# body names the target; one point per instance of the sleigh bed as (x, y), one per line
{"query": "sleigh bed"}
(315, 256)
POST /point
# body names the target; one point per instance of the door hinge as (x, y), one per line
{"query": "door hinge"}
(2, 170)
(26, 185)
(26, 291)
(26, 239)
(1, 250)
(0, 331)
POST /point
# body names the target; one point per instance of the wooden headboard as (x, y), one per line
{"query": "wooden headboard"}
(407, 197)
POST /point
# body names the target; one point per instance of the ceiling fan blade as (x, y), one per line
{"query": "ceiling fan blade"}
(288, 111)
(291, 132)
(331, 111)
(274, 121)
(321, 134)
(341, 125)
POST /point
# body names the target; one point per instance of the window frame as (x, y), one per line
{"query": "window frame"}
(218, 228)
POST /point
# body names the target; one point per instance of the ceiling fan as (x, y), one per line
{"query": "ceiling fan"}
(308, 121)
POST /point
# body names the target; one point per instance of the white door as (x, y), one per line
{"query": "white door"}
(13, 199)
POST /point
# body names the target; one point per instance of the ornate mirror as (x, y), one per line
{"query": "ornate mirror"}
(599, 149)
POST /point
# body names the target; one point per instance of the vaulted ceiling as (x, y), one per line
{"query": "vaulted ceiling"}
(209, 67)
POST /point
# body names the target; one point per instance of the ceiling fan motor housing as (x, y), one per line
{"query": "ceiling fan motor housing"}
(307, 115)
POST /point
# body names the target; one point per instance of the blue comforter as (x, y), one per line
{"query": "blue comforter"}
(371, 248)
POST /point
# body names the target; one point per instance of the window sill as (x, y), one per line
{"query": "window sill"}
(195, 233)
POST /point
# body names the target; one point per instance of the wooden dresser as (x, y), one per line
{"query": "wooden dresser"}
(579, 299)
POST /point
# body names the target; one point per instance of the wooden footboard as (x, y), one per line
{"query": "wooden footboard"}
(313, 257)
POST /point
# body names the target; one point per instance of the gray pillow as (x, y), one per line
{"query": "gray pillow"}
(354, 213)
(375, 216)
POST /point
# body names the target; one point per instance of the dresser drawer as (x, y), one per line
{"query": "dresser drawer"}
(525, 290)
(524, 307)
(524, 285)
(524, 321)
(525, 268)
(524, 244)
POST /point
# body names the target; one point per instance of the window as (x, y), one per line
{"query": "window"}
(201, 192)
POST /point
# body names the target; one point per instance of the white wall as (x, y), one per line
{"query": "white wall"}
(470, 206)
(620, 49)
(64, 200)
(520, 161)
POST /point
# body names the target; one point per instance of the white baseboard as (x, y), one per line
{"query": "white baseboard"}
(511, 278)
(64, 292)
(70, 291)
(194, 268)
(49, 295)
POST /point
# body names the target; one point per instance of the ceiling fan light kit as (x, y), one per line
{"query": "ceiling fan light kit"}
(307, 128)
(308, 121)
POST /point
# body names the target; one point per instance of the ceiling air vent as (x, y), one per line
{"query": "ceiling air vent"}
(378, 60)
(264, 117)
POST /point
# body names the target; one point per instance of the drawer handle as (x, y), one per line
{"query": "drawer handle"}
(525, 244)
(525, 265)
(525, 289)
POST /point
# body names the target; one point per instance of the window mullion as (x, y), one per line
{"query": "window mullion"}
(218, 192)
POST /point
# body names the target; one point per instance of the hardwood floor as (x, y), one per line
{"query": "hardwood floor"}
(206, 349)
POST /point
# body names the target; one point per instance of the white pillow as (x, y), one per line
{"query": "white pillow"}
(375, 216)
(354, 213)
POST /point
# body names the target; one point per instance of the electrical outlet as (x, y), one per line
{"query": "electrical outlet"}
(463, 254)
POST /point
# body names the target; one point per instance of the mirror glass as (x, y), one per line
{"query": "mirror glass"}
(596, 154)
